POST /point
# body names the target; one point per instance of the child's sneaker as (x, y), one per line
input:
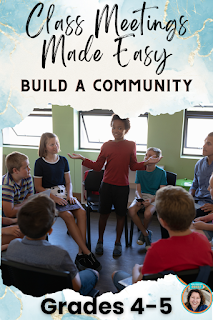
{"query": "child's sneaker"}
(81, 262)
(94, 263)
(85, 261)
(140, 240)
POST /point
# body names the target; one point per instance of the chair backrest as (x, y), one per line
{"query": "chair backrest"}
(34, 281)
(187, 276)
(171, 178)
(93, 180)
(92, 183)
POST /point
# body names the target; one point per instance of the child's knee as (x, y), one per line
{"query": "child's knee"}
(133, 211)
(149, 211)
(66, 215)
(96, 272)
(80, 213)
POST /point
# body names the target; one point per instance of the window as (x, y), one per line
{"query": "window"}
(28, 132)
(94, 129)
(198, 124)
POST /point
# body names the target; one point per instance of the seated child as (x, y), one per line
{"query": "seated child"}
(9, 232)
(204, 224)
(52, 172)
(17, 184)
(35, 220)
(147, 183)
(183, 250)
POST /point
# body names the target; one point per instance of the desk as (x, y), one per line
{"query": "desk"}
(184, 183)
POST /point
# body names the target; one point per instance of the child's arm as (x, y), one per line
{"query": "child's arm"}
(95, 165)
(192, 192)
(136, 273)
(11, 231)
(200, 225)
(134, 165)
(207, 207)
(152, 160)
(206, 218)
(68, 185)
(38, 184)
(9, 221)
(76, 283)
(10, 210)
(76, 156)
(4, 246)
(138, 191)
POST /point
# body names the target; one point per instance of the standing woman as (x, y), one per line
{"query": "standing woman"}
(119, 155)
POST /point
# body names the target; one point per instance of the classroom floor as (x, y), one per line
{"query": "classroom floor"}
(130, 256)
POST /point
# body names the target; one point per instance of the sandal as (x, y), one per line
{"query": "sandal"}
(99, 248)
(117, 249)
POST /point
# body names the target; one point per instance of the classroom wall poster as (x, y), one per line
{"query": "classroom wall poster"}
(146, 56)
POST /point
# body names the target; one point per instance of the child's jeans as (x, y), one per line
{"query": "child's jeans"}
(88, 281)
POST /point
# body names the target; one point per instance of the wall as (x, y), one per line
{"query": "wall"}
(164, 132)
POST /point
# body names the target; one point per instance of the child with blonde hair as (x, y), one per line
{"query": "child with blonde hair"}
(147, 183)
(52, 172)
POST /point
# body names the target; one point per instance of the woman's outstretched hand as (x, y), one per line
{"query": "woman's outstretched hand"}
(76, 156)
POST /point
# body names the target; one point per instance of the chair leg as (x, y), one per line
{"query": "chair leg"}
(88, 228)
(131, 233)
(164, 232)
(126, 231)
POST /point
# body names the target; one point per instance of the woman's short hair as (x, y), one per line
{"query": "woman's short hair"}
(125, 121)
(36, 216)
(176, 207)
(202, 297)
(43, 142)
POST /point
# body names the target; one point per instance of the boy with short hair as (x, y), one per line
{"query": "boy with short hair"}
(35, 220)
(16, 184)
(147, 183)
(184, 249)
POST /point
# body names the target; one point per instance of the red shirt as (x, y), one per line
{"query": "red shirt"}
(178, 253)
(119, 157)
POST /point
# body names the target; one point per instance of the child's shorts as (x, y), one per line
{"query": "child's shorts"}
(145, 196)
(88, 281)
(113, 195)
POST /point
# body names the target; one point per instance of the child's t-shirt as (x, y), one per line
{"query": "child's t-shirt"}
(151, 181)
(178, 253)
(52, 173)
(41, 253)
(119, 157)
(13, 192)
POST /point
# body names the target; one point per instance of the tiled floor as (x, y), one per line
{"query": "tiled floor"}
(130, 256)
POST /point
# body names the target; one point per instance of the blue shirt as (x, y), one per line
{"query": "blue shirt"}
(200, 183)
(52, 174)
(151, 181)
(199, 308)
